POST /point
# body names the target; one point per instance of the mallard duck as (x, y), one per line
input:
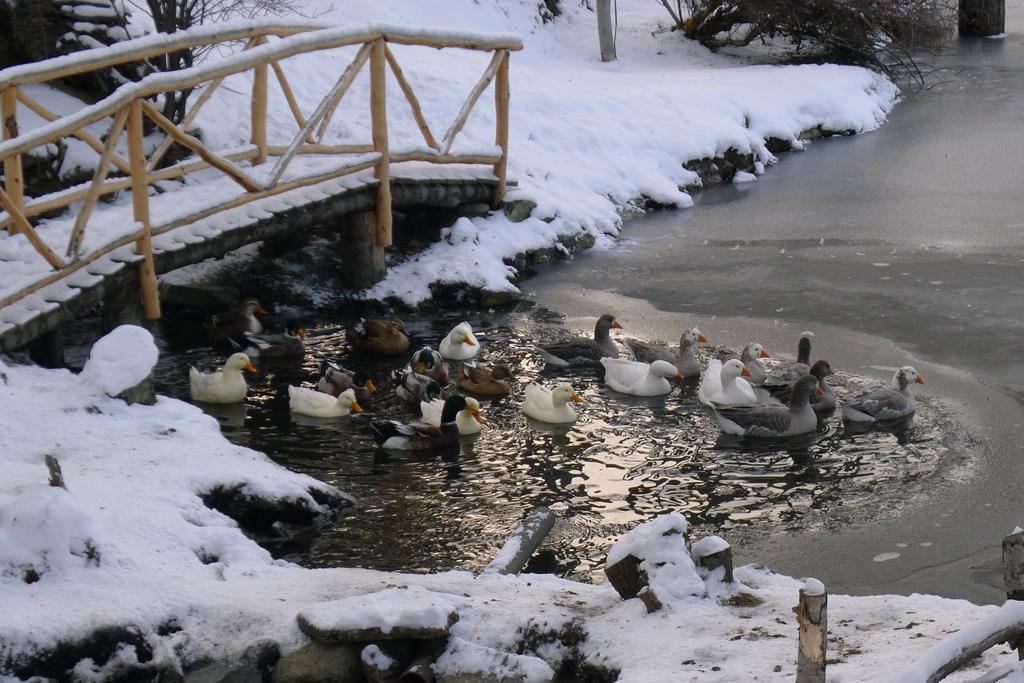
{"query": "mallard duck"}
(225, 385)
(234, 324)
(772, 421)
(290, 343)
(724, 384)
(550, 405)
(420, 435)
(414, 388)
(639, 379)
(386, 337)
(460, 344)
(823, 403)
(787, 373)
(318, 404)
(484, 380)
(885, 403)
(468, 419)
(581, 351)
(335, 379)
(430, 363)
(683, 357)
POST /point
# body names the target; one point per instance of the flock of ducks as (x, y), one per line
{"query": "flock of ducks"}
(746, 397)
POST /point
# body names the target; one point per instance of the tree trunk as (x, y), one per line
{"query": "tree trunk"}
(606, 30)
(812, 617)
(982, 17)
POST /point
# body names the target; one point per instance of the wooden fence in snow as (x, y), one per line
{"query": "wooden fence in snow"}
(259, 168)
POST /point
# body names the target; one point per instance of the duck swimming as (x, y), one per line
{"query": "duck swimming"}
(639, 379)
(468, 420)
(460, 344)
(414, 388)
(484, 380)
(821, 403)
(581, 351)
(682, 358)
(885, 403)
(773, 421)
(787, 373)
(318, 404)
(420, 435)
(236, 323)
(225, 385)
(430, 363)
(724, 384)
(550, 405)
(375, 335)
(289, 344)
(334, 379)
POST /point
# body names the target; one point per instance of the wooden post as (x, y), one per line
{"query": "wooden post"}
(521, 545)
(258, 128)
(140, 207)
(812, 618)
(14, 181)
(982, 17)
(606, 30)
(1013, 573)
(362, 258)
(47, 350)
(502, 93)
(379, 114)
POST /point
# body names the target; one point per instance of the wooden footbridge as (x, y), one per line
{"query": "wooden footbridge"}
(65, 251)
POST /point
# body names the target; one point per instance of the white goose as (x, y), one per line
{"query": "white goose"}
(885, 403)
(639, 379)
(225, 385)
(467, 420)
(550, 405)
(318, 404)
(723, 384)
(460, 344)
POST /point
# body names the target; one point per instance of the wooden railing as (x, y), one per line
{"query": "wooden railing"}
(264, 50)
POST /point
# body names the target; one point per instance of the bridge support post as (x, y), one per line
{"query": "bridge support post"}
(14, 182)
(140, 209)
(501, 98)
(47, 350)
(379, 116)
(121, 304)
(362, 258)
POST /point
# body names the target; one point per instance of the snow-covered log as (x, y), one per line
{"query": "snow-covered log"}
(521, 545)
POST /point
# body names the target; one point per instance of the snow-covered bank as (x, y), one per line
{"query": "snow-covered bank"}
(586, 138)
(130, 549)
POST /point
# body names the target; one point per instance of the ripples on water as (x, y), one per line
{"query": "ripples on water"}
(625, 460)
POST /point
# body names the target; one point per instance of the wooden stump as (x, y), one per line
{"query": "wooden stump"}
(982, 17)
(630, 581)
(812, 618)
(1013, 574)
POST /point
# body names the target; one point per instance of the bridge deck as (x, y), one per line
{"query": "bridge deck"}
(414, 184)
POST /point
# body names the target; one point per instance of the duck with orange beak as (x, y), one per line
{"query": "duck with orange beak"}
(682, 358)
(726, 384)
(225, 385)
(885, 403)
(460, 344)
(315, 403)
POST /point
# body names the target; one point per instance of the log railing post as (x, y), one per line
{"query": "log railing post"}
(982, 17)
(140, 208)
(14, 181)
(812, 618)
(1013, 573)
(378, 113)
(258, 110)
(501, 98)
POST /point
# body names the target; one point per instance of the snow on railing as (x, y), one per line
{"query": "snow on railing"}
(127, 106)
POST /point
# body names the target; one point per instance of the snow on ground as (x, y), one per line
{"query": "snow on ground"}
(130, 542)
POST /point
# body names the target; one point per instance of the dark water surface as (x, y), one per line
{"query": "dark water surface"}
(626, 460)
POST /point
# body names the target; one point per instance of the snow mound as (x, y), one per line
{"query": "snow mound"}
(43, 533)
(661, 547)
(121, 359)
(478, 662)
(411, 608)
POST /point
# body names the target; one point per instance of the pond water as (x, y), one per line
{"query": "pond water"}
(625, 460)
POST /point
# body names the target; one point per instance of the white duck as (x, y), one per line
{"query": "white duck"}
(460, 344)
(318, 404)
(723, 384)
(225, 385)
(550, 405)
(467, 420)
(639, 379)
(885, 403)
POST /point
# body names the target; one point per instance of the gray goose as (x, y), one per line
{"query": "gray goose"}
(773, 421)
(683, 358)
(885, 403)
(824, 403)
(582, 351)
(791, 372)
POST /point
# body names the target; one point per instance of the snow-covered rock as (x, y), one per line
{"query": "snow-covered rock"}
(121, 360)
